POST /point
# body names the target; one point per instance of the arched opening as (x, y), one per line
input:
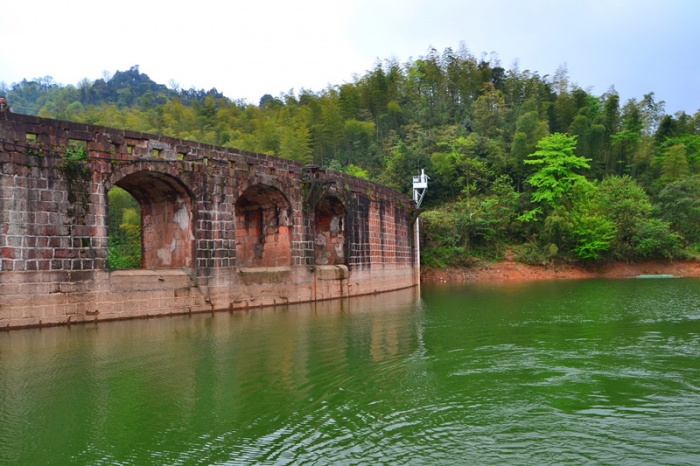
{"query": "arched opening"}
(330, 231)
(263, 228)
(167, 223)
(124, 230)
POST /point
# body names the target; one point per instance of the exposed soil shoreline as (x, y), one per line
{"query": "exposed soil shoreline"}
(509, 270)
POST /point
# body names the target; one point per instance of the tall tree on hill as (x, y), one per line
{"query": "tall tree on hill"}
(610, 119)
(529, 129)
(491, 114)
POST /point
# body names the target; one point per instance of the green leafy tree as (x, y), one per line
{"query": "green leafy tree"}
(354, 170)
(460, 169)
(679, 203)
(625, 203)
(499, 208)
(491, 113)
(592, 232)
(529, 129)
(628, 143)
(593, 235)
(555, 175)
(654, 239)
(609, 118)
(590, 138)
(471, 227)
(565, 105)
(675, 163)
(359, 139)
(402, 164)
(295, 144)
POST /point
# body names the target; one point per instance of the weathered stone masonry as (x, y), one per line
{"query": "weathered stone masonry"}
(222, 228)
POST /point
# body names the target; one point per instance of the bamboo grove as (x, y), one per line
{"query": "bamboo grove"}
(518, 162)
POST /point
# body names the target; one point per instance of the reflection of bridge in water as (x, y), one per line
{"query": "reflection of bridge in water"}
(221, 228)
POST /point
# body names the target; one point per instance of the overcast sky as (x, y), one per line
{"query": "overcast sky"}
(248, 48)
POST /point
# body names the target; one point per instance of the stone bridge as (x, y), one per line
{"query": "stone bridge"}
(222, 229)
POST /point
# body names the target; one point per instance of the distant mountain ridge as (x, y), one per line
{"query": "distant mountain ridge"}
(124, 89)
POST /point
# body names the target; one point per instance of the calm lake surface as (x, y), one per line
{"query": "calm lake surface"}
(561, 372)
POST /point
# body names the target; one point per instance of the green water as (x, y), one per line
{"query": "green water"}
(565, 372)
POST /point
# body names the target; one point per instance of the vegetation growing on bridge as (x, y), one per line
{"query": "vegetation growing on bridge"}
(519, 161)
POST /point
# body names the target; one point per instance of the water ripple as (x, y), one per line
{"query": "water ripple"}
(557, 373)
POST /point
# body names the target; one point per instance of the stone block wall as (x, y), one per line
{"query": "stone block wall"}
(43, 229)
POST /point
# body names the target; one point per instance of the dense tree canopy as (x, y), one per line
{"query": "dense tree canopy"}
(605, 179)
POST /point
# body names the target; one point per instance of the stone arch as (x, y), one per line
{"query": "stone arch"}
(329, 228)
(167, 219)
(263, 228)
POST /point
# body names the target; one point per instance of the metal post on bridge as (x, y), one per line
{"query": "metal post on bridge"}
(420, 185)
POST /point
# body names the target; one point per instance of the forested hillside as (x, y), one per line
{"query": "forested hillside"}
(517, 161)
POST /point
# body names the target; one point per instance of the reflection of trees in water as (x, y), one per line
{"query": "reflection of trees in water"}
(142, 384)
